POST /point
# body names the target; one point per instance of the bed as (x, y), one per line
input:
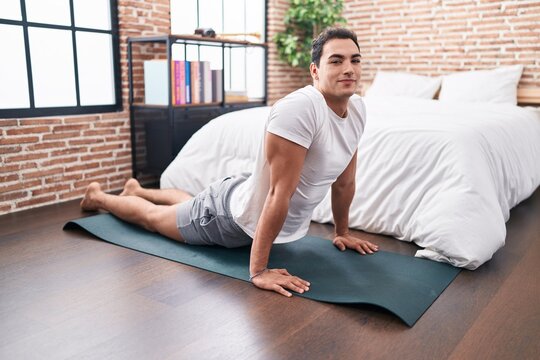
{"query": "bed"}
(443, 175)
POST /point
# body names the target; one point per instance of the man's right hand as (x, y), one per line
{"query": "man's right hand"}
(279, 280)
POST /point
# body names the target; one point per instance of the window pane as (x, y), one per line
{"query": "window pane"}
(207, 53)
(48, 12)
(10, 9)
(94, 56)
(183, 16)
(178, 52)
(255, 20)
(234, 16)
(255, 80)
(212, 54)
(53, 72)
(13, 76)
(236, 79)
(192, 54)
(93, 14)
(210, 15)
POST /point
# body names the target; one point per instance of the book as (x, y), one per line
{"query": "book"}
(181, 82)
(207, 82)
(176, 85)
(195, 83)
(217, 85)
(200, 82)
(188, 81)
(155, 82)
(174, 91)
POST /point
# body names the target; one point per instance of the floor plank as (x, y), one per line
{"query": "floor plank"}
(516, 309)
(68, 295)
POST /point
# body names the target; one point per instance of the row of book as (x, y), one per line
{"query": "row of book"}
(192, 82)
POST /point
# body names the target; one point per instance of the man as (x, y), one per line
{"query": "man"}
(310, 146)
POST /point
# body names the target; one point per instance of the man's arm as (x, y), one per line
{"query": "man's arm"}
(342, 195)
(286, 160)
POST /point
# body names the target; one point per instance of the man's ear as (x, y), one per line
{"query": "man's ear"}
(314, 71)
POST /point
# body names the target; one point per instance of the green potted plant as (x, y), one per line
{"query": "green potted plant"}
(304, 20)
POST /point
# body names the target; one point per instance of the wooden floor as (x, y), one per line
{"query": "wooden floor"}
(68, 295)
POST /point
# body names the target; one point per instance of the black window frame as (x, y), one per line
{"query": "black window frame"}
(32, 110)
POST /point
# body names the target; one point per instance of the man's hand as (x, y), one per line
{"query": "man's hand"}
(347, 241)
(278, 280)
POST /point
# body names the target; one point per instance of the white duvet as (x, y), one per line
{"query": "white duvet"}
(443, 175)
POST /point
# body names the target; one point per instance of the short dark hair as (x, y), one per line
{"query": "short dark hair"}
(329, 34)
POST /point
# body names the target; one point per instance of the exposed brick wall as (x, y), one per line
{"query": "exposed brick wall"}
(436, 37)
(428, 37)
(50, 160)
(282, 79)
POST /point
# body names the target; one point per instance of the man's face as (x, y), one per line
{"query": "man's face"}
(339, 70)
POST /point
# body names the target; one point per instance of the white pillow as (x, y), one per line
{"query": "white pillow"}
(492, 86)
(404, 84)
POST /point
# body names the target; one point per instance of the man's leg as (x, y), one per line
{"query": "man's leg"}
(133, 209)
(156, 196)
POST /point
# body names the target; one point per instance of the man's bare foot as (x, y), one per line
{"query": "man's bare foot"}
(89, 202)
(131, 187)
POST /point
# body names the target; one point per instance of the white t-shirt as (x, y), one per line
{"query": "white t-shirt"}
(304, 118)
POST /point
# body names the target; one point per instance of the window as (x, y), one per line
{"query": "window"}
(235, 19)
(59, 57)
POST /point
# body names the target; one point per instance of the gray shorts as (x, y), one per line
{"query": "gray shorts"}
(207, 220)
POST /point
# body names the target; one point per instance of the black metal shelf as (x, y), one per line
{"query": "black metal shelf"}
(158, 132)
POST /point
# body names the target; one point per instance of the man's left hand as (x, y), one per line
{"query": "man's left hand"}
(347, 241)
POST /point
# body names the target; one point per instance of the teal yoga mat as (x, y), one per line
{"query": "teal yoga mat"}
(404, 285)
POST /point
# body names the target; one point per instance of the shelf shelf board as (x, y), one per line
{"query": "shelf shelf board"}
(195, 40)
(143, 105)
(252, 101)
